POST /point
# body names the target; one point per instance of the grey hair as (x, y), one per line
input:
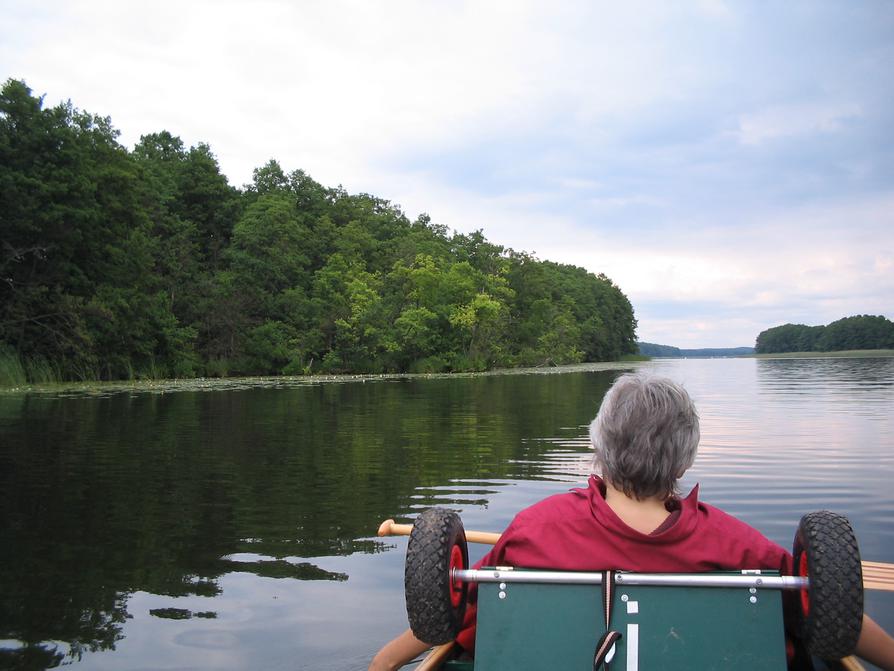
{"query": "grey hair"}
(645, 435)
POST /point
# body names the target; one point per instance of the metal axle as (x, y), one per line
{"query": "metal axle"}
(746, 579)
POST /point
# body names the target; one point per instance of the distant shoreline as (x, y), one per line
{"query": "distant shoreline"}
(841, 354)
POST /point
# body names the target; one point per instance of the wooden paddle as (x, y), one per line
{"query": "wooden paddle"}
(390, 528)
(436, 657)
(851, 664)
(876, 575)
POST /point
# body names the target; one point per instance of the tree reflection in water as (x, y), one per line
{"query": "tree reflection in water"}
(165, 493)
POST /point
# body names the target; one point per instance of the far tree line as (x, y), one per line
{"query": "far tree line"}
(118, 263)
(669, 351)
(850, 333)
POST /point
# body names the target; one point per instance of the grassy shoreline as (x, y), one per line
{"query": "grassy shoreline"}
(841, 354)
(163, 386)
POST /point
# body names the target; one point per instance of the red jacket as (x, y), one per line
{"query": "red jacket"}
(577, 531)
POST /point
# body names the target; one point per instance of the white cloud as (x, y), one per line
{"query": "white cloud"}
(577, 183)
(715, 8)
(334, 86)
(795, 120)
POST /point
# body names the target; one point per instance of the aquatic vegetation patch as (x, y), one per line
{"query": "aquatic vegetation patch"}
(169, 386)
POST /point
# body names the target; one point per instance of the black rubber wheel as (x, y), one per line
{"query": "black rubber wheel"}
(831, 609)
(435, 605)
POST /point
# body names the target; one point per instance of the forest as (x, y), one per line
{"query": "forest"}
(147, 263)
(851, 333)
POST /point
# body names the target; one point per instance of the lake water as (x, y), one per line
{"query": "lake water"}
(233, 527)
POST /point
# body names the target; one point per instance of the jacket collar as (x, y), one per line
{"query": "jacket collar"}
(684, 526)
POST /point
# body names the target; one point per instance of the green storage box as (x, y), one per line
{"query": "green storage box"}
(664, 628)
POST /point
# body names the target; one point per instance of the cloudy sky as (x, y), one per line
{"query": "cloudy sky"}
(730, 165)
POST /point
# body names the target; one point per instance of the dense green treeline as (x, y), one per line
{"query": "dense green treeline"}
(147, 263)
(850, 333)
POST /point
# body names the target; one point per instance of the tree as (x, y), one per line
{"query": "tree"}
(481, 322)
(347, 304)
(75, 230)
(205, 198)
(269, 178)
(857, 332)
(267, 253)
(122, 264)
(564, 314)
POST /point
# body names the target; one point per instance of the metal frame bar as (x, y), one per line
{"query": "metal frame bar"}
(746, 579)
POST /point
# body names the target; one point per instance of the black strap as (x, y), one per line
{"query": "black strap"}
(608, 639)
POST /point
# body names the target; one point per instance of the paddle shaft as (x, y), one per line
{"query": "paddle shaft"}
(433, 660)
(876, 575)
(390, 528)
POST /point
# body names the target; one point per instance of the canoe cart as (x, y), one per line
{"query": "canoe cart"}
(541, 619)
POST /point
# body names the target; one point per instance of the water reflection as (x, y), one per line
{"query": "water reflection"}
(129, 518)
(107, 496)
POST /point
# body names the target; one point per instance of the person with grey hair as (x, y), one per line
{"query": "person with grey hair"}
(632, 517)
(645, 436)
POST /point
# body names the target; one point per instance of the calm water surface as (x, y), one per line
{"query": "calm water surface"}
(234, 529)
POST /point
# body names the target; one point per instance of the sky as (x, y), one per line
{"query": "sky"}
(729, 165)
